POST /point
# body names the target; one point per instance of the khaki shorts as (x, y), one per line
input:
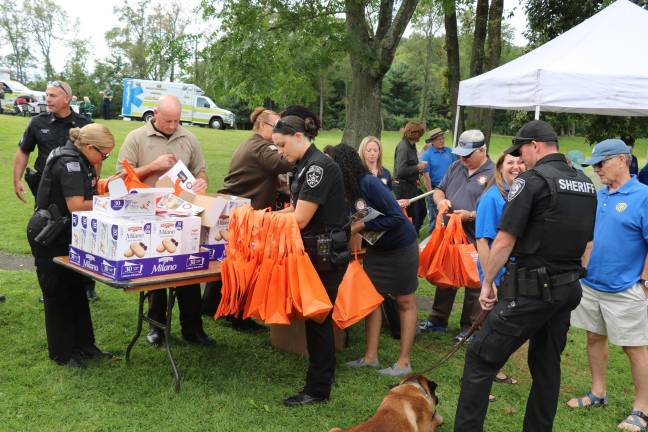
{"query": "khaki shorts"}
(622, 316)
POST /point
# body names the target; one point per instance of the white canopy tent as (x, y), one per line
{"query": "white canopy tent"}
(598, 67)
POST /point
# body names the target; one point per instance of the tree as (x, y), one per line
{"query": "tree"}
(14, 27)
(452, 52)
(47, 21)
(371, 54)
(493, 55)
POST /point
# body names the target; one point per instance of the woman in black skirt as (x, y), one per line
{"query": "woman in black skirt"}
(391, 262)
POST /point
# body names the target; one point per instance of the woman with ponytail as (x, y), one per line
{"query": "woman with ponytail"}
(68, 184)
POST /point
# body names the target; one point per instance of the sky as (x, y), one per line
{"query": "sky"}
(96, 17)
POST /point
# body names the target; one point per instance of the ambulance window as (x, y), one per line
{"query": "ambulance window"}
(202, 102)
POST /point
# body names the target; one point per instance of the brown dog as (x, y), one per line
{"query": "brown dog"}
(410, 406)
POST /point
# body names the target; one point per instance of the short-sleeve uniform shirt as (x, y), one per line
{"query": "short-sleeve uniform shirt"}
(317, 179)
(143, 145)
(47, 132)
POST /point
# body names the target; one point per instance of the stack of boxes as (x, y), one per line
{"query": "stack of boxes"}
(122, 238)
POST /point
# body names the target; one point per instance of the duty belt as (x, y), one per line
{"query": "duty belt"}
(534, 282)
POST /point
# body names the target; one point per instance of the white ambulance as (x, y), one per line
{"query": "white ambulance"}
(141, 96)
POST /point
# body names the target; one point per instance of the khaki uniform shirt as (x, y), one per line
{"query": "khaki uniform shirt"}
(253, 172)
(143, 145)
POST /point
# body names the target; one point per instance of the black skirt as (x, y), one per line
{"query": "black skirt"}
(393, 272)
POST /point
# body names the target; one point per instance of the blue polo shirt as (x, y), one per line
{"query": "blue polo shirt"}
(438, 163)
(489, 211)
(620, 238)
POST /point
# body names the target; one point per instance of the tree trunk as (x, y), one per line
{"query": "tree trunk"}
(425, 91)
(479, 39)
(452, 51)
(494, 54)
(363, 116)
(321, 101)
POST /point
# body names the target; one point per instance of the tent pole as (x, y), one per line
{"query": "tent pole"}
(455, 137)
(537, 112)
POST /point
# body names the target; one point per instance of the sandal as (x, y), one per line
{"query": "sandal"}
(506, 380)
(634, 419)
(491, 398)
(595, 401)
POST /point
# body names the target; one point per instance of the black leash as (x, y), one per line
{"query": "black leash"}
(478, 322)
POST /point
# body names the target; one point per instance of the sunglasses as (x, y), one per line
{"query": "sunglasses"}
(599, 165)
(282, 126)
(58, 84)
(104, 156)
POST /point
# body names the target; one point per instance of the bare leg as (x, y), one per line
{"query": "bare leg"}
(597, 354)
(372, 329)
(407, 310)
(639, 364)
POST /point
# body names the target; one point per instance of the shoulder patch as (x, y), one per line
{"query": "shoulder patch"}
(314, 175)
(516, 188)
(272, 147)
(73, 166)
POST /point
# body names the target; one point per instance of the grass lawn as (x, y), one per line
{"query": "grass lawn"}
(238, 384)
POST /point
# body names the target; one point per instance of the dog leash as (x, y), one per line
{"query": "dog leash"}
(478, 322)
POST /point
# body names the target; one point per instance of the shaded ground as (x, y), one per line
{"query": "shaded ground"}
(16, 262)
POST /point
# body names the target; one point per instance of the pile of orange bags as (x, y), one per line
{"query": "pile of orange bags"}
(357, 297)
(266, 273)
(449, 259)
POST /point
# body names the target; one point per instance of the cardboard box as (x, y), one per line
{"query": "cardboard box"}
(292, 338)
(139, 204)
(130, 268)
(92, 232)
(79, 228)
(127, 238)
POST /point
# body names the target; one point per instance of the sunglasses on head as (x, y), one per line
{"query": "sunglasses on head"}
(58, 84)
(281, 126)
(104, 156)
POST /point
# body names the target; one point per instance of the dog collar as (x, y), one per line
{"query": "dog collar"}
(420, 388)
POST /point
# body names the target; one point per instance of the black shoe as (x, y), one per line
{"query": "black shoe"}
(93, 352)
(198, 338)
(248, 325)
(303, 399)
(2, 298)
(92, 295)
(155, 337)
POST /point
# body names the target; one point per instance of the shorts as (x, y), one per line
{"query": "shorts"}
(622, 316)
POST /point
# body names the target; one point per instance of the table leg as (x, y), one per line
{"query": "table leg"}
(138, 332)
(167, 333)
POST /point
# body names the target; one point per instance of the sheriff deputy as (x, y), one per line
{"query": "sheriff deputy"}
(546, 224)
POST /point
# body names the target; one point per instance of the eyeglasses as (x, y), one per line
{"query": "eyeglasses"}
(104, 156)
(58, 84)
(269, 124)
(599, 165)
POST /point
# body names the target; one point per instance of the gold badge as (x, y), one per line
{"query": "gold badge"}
(620, 207)
(482, 180)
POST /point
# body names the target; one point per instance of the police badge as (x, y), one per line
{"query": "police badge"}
(314, 175)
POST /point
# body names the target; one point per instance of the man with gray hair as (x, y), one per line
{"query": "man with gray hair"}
(152, 150)
(613, 306)
(458, 192)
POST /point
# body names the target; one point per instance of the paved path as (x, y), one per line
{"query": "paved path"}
(16, 262)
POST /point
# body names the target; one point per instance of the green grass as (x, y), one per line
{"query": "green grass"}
(237, 385)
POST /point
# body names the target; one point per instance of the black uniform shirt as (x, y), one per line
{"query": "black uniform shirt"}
(46, 131)
(527, 201)
(318, 179)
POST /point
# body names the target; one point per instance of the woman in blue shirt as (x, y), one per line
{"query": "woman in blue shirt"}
(391, 262)
(489, 211)
(370, 152)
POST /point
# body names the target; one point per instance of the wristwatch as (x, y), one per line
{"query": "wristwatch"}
(644, 283)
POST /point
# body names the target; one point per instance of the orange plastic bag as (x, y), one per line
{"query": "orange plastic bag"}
(442, 269)
(276, 293)
(357, 297)
(131, 179)
(434, 240)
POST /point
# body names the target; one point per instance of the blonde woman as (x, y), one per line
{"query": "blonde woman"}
(371, 152)
(67, 185)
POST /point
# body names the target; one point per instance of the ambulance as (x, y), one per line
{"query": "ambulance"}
(140, 97)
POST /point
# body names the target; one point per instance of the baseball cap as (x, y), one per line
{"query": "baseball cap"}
(606, 149)
(576, 157)
(434, 133)
(535, 130)
(469, 141)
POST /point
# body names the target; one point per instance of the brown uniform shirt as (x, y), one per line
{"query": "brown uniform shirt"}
(143, 145)
(253, 172)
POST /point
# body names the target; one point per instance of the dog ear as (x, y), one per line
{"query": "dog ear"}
(432, 386)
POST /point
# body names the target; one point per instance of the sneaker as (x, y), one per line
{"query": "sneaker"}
(91, 294)
(395, 371)
(429, 326)
(361, 363)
